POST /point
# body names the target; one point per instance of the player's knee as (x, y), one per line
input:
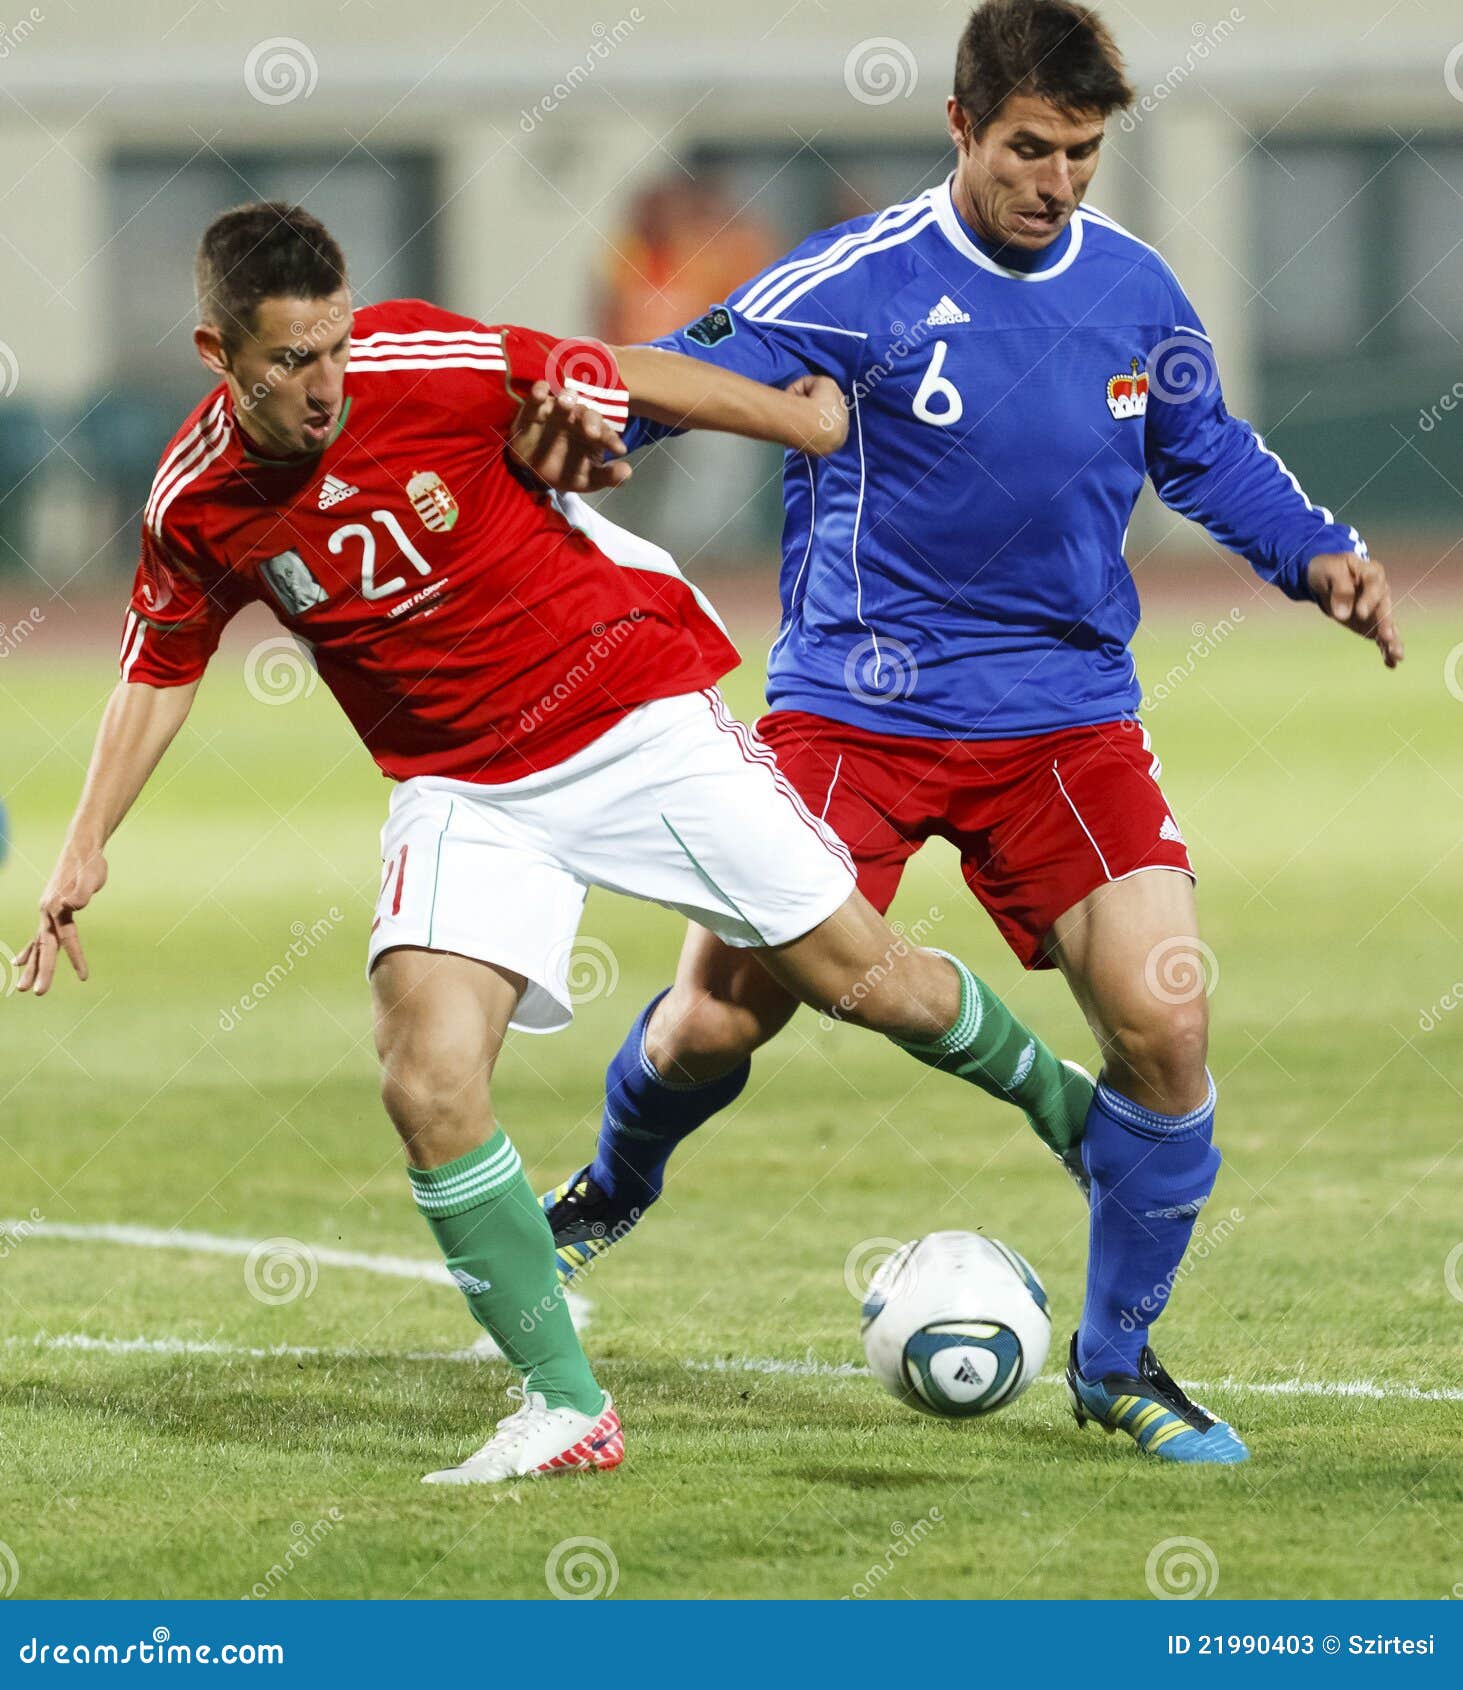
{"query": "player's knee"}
(436, 1098)
(1165, 1049)
(699, 1031)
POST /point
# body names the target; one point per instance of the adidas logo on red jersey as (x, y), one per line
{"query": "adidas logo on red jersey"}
(333, 490)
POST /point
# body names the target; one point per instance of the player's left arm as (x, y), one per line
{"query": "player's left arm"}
(1215, 468)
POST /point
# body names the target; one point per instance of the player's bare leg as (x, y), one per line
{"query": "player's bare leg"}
(687, 1055)
(439, 1022)
(1132, 955)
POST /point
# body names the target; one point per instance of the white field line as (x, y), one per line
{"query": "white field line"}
(483, 1350)
(434, 1273)
(218, 1244)
(810, 1367)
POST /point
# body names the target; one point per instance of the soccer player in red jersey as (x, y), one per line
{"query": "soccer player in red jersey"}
(540, 686)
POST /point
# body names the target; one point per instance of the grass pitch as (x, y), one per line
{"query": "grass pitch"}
(216, 1077)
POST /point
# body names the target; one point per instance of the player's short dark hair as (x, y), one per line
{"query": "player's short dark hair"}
(1049, 48)
(267, 250)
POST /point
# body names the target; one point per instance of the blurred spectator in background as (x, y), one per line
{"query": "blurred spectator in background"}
(686, 244)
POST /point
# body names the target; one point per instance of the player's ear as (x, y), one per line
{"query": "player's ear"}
(957, 123)
(211, 348)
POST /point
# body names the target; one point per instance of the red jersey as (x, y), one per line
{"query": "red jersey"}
(468, 625)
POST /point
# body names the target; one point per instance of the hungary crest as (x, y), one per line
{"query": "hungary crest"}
(432, 500)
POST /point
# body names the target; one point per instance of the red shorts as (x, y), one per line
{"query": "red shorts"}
(1039, 822)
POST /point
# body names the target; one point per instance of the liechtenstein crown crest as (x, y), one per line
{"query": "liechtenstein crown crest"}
(1127, 394)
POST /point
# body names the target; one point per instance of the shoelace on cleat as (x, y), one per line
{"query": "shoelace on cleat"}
(516, 1428)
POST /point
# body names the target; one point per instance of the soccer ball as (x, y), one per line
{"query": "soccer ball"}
(956, 1324)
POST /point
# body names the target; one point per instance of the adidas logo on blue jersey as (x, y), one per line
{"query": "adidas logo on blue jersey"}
(947, 311)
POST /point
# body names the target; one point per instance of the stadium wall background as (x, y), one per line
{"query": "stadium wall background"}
(1302, 168)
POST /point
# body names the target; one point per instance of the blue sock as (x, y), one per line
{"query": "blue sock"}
(646, 1117)
(1150, 1176)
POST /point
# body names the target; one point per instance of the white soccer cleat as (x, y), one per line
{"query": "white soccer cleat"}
(537, 1439)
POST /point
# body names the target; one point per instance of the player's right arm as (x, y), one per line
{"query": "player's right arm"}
(799, 325)
(138, 725)
(172, 630)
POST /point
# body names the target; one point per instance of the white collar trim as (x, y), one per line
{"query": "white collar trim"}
(954, 230)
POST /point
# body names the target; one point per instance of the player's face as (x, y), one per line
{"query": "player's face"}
(287, 375)
(1019, 181)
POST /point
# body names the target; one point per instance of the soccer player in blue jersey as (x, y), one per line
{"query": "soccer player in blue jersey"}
(954, 653)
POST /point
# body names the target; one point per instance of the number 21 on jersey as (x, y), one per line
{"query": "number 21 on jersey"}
(371, 588)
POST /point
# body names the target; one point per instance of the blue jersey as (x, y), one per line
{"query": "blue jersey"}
(956, 570)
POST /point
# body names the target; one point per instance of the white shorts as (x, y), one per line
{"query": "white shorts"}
(678, 803)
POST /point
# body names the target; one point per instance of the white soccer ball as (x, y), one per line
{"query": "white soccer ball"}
(956, 1324)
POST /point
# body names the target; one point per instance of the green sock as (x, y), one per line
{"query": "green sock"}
(488, 1223)
(991, 1049)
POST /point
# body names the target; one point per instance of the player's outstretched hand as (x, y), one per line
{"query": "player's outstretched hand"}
(1353, 591)
(78, 877)
(565, 444)
(829, 413)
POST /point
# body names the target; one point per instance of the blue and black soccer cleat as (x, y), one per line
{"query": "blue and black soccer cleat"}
(1154, 1412)
(584, 1222)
